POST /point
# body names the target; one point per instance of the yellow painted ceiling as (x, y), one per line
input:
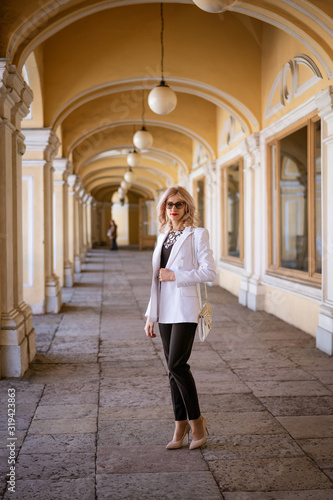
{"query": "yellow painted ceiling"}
(94, 57)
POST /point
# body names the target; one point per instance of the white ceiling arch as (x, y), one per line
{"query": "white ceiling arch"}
(37, 30)
(122, 150)
(207, 92)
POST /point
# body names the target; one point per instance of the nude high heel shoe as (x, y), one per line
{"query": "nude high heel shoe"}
(173, 445)
(199, 442)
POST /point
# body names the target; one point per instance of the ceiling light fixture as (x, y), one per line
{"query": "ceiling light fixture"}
(214, 6)
(134, 158)
(129, 176)
(142, 138)
(162, 99)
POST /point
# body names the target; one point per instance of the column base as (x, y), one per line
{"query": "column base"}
(324, 332)
(18, 342)
(77, 264)
(256, 296)
(69, 275)
(252, 294)
(53, 298)
(324, 340)
(243, 291)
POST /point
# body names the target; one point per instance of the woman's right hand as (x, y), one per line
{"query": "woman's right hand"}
(149, 328)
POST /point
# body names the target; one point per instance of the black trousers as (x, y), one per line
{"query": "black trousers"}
(177, 340)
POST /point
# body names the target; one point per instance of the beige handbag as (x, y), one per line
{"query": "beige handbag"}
(206, 313)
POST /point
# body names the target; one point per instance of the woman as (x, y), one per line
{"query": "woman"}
(182, 260)
(112, 234)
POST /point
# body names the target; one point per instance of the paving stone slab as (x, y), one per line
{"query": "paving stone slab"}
(319, 426)
(65, 358)
(230, 423)
(134, 433)
(64, 489)
(242, 447)
(320, 450)
(283, 374)
(153, 459)
(114, 371)
(223, 403)
(65, 411)
(269, 474)
(132, 397)
(299, 405)
(280, 495)
(63, 426)
(162, 486)
(59, 443)
(222, 387)
(288, 388)
(54, 373)
(55, 466)
(136, 413)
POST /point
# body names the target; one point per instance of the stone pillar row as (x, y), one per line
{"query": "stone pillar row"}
(46, 222)
(17, 335)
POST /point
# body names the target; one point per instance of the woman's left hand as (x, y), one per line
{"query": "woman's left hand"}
(166, 275)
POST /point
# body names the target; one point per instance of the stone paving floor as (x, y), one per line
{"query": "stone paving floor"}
(93, 414)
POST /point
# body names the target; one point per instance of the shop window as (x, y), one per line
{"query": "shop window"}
(294, 197)
(232, 212)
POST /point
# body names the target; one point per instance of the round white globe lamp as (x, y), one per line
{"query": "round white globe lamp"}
(129, 176)
(125, 185)
(162, 99)
(133, 159)
(214, 6)
(143, 139)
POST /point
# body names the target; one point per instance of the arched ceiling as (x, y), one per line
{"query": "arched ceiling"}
(96, 56)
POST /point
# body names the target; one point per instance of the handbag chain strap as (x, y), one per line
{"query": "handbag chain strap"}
(193, 253)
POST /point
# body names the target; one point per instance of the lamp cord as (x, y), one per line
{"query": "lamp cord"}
(143, 107)
(162, 44)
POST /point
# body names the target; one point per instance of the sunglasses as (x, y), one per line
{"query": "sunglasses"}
(178, 205)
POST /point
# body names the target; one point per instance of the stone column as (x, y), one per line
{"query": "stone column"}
(70, 233)
(17, 335)
(77, 241)
(324, 334)
(94, 224)
(60, 216)
(89, 222)
(251, 293)
(53, 299)
(44, 292)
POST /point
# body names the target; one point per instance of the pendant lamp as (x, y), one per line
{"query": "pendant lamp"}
(142, 138)
(133, 158)
(129, 176)
(162, 99)
(125, 185)
(214, 6)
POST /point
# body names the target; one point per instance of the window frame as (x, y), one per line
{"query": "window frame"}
(310, 276)
(196, 198)
(239, 261)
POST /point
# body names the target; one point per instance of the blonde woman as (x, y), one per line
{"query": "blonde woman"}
(182, 259)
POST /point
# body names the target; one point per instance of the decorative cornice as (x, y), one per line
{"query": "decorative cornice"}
(324, 101)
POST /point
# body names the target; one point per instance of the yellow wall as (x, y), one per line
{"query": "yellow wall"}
(298, 311)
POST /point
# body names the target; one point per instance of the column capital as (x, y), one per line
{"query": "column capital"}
(15, 95)
(42, 139)
(71, 180)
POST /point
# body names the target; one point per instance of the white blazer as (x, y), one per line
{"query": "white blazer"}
(177, 301)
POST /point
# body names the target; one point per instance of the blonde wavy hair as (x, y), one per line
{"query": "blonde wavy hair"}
(190, 217)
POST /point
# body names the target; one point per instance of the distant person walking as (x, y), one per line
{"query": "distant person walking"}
(112, 234)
